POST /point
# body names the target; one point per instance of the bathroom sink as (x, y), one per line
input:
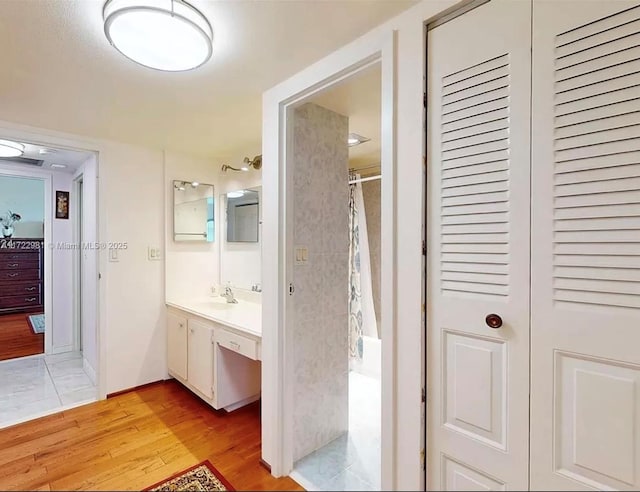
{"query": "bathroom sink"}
(215, 305)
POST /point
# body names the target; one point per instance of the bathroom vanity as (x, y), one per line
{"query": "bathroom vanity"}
(214, 349)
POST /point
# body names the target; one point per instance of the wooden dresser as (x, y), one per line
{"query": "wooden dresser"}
(21, 275)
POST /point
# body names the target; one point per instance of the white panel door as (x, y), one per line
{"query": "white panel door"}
(201, 357)
(479, 67)
(585, 364)
(177, 344)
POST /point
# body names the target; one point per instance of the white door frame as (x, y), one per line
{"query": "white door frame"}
(277, 428)
(23, 133)
(46, 177)
(77, 260)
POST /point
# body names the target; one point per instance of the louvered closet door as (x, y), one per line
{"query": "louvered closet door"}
(585, 420)
(478, 164)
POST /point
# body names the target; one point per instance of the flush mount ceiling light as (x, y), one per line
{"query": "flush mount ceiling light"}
(355, 139)
(168, 35)
(58, 166)
(235, 194)
(11, 149)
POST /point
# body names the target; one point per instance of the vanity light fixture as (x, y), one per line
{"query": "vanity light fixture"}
(255, 163)
(195, 184)
(11, 149)
(168, 35)
(355, 139)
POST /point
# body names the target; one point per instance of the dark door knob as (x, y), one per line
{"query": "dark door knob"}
(493, 321)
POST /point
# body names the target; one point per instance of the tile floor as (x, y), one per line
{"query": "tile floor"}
(34, 386)
(351, 462)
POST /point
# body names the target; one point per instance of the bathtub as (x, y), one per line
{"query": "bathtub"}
(371, 358)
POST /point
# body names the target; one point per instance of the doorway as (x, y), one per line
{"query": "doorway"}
(336, 274)
(36, 268)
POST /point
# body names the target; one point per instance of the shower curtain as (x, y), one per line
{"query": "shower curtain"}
(362, 316)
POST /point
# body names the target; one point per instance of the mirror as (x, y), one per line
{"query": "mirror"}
(241, 251)
(243, 216)
(193, 211)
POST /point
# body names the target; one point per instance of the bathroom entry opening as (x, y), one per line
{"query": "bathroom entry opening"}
(335, 324)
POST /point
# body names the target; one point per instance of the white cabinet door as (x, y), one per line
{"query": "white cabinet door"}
(585, 381)
(177, 344)
(479, 67)
(201, 357)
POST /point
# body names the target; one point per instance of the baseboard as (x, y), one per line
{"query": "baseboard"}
(265, 465)
(135, 388)
(61, 349)
(91, 372)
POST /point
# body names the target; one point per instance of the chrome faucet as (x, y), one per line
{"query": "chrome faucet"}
(228, 295)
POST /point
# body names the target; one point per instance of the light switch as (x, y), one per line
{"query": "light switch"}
(113, 255)
(153, 253)
(302, 255)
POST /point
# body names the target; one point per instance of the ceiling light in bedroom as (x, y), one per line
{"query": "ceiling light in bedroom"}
(11, 149)
(169, 35)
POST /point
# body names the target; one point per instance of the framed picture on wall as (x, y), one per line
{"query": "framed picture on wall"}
(62, 204)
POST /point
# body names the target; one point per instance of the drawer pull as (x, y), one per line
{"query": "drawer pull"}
(30, 299)
(30, 288)
(12, 274)
(12, 265)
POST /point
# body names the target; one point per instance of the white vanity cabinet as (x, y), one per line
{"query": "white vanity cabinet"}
(177, 343)
(200, 356)
(218, 363)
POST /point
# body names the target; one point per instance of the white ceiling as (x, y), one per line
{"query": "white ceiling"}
(71, 159)
(60, 72)
(359, 98)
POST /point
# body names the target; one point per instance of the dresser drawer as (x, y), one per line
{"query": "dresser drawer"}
(19, 264)
(30, 287)
(31, 274)
(20, 301)
(237, 343)
(12, 255)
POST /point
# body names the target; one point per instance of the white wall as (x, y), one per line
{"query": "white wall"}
(61, 269)
(23, 196)
(240, 263)
(191, 267)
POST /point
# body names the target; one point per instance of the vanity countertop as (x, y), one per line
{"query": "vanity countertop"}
(245, 316)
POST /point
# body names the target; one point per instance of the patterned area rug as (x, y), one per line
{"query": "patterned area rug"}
(37, 323)
(200, 477)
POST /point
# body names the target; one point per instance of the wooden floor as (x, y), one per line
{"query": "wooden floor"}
(17, 339)
(132, 441)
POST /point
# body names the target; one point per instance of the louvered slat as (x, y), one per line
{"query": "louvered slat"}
(597, 163)
(475, 180)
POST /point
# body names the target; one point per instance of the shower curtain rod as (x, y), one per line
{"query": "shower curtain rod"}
(362, 180)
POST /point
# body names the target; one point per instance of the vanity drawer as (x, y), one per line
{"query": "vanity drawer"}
(237, 343)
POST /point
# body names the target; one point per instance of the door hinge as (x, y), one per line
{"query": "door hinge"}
(422, 460)
(424, 248)
(291, 289)
(424, 395)
(424, 99)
